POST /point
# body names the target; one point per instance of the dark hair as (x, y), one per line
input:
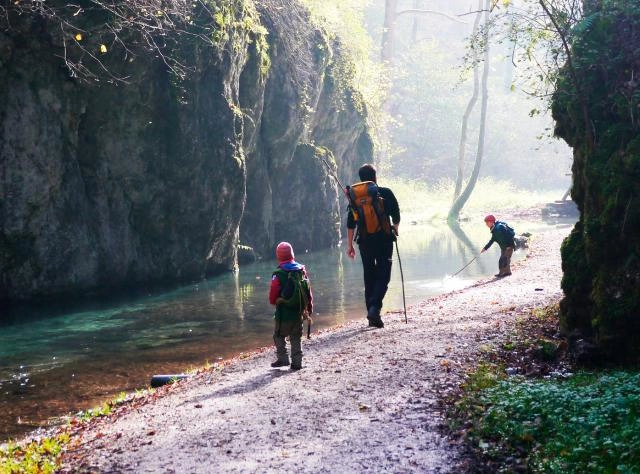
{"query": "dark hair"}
(367, 173)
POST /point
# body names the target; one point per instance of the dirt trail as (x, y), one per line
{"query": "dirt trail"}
(366, 399)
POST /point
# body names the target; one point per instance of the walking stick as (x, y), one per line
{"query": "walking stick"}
(404, 302)
(470, 262)
(335, 176)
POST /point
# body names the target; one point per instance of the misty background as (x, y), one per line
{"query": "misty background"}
(417, 100)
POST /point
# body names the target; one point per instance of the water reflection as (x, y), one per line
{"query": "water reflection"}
(52, 363)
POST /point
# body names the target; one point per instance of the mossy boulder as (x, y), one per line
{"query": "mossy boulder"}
(599, 116)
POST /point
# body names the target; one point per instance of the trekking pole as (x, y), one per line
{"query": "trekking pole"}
(404, 302)
(335, 176)
(470, 262)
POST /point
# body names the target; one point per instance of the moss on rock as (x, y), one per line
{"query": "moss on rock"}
(600, 118)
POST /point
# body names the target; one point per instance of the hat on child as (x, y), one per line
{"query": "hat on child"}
(490, 218)
(284, 252)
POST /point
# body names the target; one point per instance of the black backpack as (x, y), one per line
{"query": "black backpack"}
(508, 229)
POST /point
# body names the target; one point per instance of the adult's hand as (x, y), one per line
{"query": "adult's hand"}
(351, 252)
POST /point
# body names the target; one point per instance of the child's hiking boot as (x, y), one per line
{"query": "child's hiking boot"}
(295, 367)
(279, 363)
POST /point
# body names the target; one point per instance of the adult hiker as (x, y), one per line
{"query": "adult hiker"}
(371, 209)
(291, 294)
(503, 234)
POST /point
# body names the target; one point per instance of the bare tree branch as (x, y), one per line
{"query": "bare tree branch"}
(429, 12)
(128, 26)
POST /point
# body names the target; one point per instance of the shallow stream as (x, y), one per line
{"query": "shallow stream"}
(53, 362)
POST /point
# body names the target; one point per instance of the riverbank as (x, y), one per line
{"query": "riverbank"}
(365, 398)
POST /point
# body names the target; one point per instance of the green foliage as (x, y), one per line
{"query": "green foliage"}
(104, 409)
(37, 457)
(354, 69)
(42, 456)
(237, 24)
(588, 423)
(101, 40)
(548, 312)
(426, 128)
(484, 377)
(428, 95)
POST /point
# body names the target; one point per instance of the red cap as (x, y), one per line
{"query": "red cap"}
(284, 252)
(490, 218)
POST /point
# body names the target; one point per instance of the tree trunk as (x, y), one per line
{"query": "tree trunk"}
(467, 112)
(454, 212)
(417, 4)
(388, 33)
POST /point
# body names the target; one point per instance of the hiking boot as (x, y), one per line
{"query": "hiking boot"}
(295, 367)
(373, 315)
(502, 275)
(376, 323)
(279, 363)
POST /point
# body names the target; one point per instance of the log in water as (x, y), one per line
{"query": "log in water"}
(160, 380)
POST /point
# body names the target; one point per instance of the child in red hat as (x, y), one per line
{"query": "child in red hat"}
(503, 235)
(290, 292)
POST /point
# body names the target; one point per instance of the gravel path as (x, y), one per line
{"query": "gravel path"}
(365, 401)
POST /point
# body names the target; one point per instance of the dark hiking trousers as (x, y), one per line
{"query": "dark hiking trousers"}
(377, 255)
(293, 329)
(504, 263)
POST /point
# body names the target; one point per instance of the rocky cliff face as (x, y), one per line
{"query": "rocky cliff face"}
(141, 175)
(595, 107)
(307, 118)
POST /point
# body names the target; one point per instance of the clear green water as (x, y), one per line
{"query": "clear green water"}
(53, 363)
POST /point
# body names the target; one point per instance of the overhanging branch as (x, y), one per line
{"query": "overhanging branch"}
(430, 12)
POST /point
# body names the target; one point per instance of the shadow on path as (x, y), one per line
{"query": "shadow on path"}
(244, 387)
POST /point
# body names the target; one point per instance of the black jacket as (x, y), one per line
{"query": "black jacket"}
(501, 235)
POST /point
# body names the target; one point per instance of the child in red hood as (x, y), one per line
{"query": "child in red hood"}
(290, 310)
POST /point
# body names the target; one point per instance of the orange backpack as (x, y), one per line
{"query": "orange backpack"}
(367, 207)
